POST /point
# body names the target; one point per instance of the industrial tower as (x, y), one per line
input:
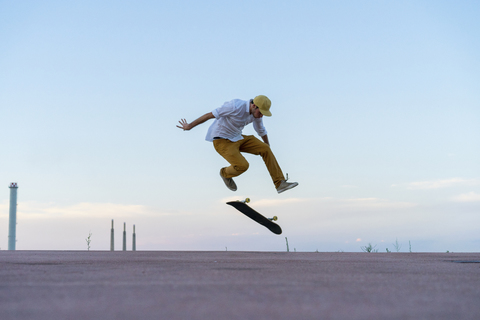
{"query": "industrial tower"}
(12, 225)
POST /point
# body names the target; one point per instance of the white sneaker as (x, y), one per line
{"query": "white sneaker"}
(284, 186)
(229, 182)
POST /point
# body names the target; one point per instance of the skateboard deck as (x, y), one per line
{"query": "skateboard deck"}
(243, 207)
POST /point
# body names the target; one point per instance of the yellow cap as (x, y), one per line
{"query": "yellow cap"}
(263, 104)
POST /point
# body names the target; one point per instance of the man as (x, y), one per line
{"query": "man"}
(227, 138)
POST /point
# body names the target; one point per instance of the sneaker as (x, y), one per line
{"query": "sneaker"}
(284, 186)
(229, 182)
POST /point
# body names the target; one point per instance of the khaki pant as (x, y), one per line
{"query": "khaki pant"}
(238, 164)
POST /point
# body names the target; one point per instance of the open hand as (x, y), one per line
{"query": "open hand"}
(184, 125)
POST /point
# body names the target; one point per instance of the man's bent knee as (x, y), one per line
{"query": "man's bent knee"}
(241, 168)
(265, 149)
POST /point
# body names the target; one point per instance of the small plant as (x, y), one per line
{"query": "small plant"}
(369, 248)
(409, 246)
(388, 251)
(89, 239)
(397, 245)
(286, 240)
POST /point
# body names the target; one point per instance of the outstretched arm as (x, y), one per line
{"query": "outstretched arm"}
(187, 126)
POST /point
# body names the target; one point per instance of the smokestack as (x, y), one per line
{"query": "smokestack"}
(134, 241)
(112, 239)
(124, 236)
(12, 226)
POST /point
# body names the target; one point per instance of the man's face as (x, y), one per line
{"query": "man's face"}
(255, 111)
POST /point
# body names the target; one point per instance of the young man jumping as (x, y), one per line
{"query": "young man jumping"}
(226, 135)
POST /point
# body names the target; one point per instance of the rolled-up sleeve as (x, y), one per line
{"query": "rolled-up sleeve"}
(259, 128)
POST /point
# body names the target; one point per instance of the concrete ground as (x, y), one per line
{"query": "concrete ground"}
(238, 285)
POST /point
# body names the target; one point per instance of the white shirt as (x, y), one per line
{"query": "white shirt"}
(231, 118)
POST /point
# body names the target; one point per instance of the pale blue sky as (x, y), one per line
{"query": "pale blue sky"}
(376, 112)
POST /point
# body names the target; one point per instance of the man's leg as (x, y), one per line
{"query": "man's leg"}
(251, 144)
(230, 151)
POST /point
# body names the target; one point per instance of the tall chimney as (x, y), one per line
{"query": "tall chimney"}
(124, 236)
(12, 225)
(134, 240)
(112, 238)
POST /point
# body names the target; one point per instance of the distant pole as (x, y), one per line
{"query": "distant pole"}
(124, 237)
(12, 226)
(112, 239)
(134, 244)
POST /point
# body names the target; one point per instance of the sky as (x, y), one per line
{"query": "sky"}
(376, 112)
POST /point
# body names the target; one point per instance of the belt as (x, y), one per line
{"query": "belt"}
(216, 138)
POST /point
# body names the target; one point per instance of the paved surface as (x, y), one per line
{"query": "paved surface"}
(238, 285)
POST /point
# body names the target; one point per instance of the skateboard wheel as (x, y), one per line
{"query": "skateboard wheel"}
(274, 218)
(247, 200)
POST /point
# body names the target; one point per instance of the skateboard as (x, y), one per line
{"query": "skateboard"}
(243, 207)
